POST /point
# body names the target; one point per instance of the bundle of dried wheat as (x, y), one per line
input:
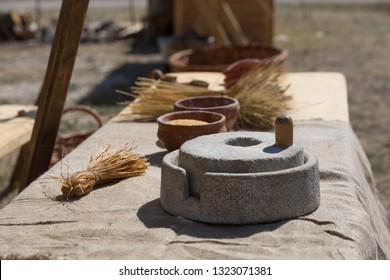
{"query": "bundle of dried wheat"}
(107, 165)
(154, 98)
(261, 98)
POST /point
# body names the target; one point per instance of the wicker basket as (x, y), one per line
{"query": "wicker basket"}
(217, 58)
(66, 143)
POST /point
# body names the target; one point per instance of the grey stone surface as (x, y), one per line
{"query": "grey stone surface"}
(239, 178)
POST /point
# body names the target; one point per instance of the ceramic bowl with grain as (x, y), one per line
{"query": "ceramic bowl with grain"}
(227, 106)
(177, 127)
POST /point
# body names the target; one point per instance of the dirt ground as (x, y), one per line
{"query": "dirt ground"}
(352, 39)
(348, 38)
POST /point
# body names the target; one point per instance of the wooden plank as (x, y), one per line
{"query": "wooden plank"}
(55, 87)
(186, 18)
(179, 18)
(232, 25)
(15, 130)
(212, 22)
(254, 16)
(10, 111)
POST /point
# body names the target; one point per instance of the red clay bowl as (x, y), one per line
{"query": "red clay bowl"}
(172, 136)
(227, 106)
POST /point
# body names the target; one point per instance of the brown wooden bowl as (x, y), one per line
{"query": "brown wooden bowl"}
(227, 106)
(172, 136)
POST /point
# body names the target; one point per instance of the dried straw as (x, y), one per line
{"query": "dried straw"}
(261, 98)
(107, 165)
(156, 97)
(260, 95)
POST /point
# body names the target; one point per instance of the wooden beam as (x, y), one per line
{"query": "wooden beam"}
(210, 18)
(255, 18)
(15, 129)
(55, 87)
(178, 17)
(232, 25)
(268, 19)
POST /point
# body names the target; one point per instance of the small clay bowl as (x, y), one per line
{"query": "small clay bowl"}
(227, 106)
(172, 136)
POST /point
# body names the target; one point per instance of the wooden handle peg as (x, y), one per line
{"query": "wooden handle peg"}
(284, 131)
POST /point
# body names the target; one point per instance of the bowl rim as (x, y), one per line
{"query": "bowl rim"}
(181, 106)
(160, 120)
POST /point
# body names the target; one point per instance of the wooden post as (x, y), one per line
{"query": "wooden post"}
(54, 90)
(284, 131)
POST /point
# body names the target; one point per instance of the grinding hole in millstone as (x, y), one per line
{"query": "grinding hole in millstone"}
(243, 142)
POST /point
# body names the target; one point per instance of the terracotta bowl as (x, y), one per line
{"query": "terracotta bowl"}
(172, 136)
(227, 106)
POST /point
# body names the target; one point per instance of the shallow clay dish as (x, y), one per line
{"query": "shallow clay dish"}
(172, 135)
(227, 106)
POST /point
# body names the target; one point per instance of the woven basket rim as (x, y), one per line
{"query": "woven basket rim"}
(179, 61)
